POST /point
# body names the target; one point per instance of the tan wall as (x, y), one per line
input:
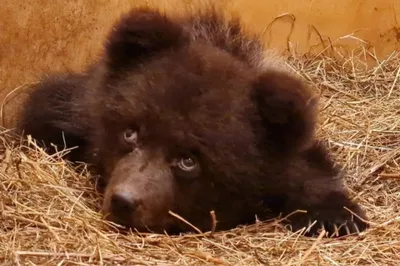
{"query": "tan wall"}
(50, 35)
(375, 21)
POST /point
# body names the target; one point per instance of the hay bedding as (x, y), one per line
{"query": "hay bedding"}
(49, 211)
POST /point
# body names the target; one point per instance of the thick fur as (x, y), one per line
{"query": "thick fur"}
(52, 114)
(194, 87)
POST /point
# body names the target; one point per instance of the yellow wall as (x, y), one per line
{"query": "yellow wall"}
(375, 21)
(50, 35)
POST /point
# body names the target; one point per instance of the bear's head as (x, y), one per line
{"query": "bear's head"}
(184, 125)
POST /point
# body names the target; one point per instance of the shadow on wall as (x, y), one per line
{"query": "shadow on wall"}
(46, 35)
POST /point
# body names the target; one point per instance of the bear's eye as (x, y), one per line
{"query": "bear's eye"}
(131, 136)
(187, 164)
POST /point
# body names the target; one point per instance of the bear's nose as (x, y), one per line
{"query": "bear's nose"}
(123, 204)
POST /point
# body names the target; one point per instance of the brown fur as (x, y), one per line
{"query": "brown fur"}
(47, 35)
(193, 87)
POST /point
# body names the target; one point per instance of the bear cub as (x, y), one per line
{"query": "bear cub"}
(189, 114)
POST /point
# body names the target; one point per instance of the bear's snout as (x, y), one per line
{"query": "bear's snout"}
(124, 204)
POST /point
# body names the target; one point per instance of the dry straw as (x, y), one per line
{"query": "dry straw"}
(49, 211)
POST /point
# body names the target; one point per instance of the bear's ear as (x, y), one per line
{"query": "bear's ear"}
(287, 109)
(139, 34)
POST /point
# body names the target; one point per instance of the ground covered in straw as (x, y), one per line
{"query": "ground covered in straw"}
(49, 211)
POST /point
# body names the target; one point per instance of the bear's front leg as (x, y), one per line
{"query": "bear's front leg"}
(319, 209)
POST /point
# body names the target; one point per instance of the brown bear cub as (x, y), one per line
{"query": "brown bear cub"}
(189, 115)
